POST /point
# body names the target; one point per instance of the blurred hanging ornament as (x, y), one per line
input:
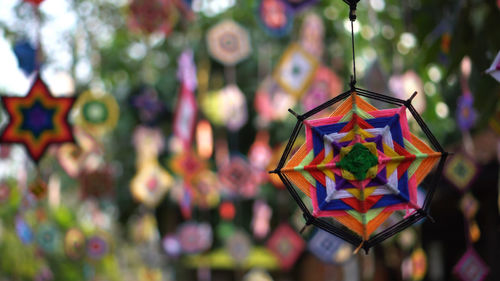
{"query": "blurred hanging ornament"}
(195, 237)
(227, 211)
(238, 178)
(185, 116)
(148, 143)
(403, 86)
(494, 121)
(171, 245)
(149, 106)
(295, 70)
(144, 229)
(238, 246)
(461, 171)
(466, 114)
(38, 188)
(96, 183)
(312, 35)
(297, 5)
(205, 189)
(275, 17)
(228, 42)
(418, 264)
(359, 166)
(48, 238)
(4, 192)
(234, 110)
(204, 139)
(286, 245)
(150, 184)
(225, 230)
(494, 69)
(469, 206)
(187, 165)
(153, 16)
(271, 102)
(186, 72)
(34, 2)
(149, 274)
(257, 275)
(325, 86)
(259, 156)
(74, 244)
(97, 247)
(26, 57)
(328, 248)
(44, 274)
(261, 219)
(37, 119)
(96, 112)
(471, 267)
(23, 230)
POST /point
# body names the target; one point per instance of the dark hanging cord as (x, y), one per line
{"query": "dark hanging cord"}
(352, 17)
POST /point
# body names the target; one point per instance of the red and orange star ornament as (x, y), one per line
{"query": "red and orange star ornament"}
(37, 120)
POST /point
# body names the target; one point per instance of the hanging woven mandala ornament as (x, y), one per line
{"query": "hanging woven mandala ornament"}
(328, 248)
(361, 165)
(312, 35)
(97, 112)
(286, 245)
(149, 106)
(228, 43)
(48, 238)
(295, 70)
(97, 247)
(153, 16)
(150, 184)
(494, 69)
(37, 120)
(325, 86)
(74, 244)
(271, 102)
(276, 17)
(461, 171)
(471, 267)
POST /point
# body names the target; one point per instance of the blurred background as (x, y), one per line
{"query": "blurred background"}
(181, 109)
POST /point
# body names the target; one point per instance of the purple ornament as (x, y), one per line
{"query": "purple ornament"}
(466, 114)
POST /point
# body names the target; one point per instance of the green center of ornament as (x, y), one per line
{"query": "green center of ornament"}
(358, 161)
(95, 112)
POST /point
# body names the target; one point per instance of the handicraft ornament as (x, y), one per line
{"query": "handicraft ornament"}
(37, 120)
(461, 171)
(228, 43)
(295, 70)
(494, 69)
(471, 267)
(150, 184)
(153, 16)
(361, 165)
(286, 245)
(97, 112)
(276, 17)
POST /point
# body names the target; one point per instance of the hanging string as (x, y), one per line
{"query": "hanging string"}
(352, 17)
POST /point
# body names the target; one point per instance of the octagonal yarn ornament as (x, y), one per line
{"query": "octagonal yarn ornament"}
(37, 120)
(471, 267)
(153, 16)
(325, 86)
(275, 17)
(48, 238)
(461, 171)
(195, 237)
(359, 166)
(286, 245)
(97, 112)
(97, 247)
(295, 70)
(228, 43)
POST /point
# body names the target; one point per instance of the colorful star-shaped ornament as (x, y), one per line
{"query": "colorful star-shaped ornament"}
(359, 166)
(37, 120)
